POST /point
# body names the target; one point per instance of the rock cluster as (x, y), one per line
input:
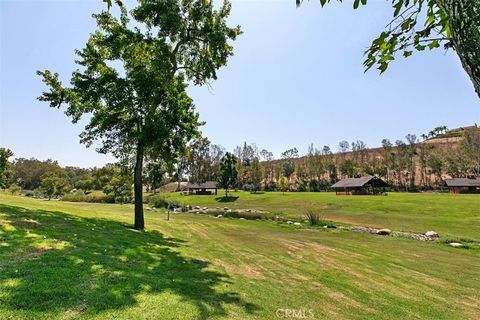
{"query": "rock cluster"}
(427, 236)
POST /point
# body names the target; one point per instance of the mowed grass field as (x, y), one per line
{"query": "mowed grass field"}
(455, 216)
(61, 260)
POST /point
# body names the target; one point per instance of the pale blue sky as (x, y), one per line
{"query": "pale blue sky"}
(296, 78)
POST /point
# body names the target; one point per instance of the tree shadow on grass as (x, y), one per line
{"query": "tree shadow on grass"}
(226, 199)
(55, 262)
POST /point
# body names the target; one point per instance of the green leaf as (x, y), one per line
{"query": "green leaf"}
(407, 54)
(406, 24)
(420, 47)
(434, 44)
(398, 7)
(356, 3)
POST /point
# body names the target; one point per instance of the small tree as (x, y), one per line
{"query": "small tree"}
(86, 184)
(228, 172)
(119, 189)
(283, 184)
(51, 184)
(288, 157)
(14, 189)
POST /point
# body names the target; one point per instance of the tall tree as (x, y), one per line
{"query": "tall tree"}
(199, 160)
(421, 24)
(142, 107)
(255, 174)
(412, 152)
(267, 157)
(288, 156)
(4, 155)
(228, 172)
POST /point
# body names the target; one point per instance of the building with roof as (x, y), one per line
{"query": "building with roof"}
(359, 186)
(463, 185)
(202, 188)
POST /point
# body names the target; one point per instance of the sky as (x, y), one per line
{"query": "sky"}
(296, 78)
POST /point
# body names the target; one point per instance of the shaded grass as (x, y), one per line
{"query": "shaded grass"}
(54, 263)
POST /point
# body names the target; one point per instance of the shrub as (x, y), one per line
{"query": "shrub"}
(271, 186)
(246, 215)
(313, 217)
(302, 186)
(158, 201)
(80, 196)
(14, 189)
(314, 185)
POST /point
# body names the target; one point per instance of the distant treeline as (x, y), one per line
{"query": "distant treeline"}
(407, 165)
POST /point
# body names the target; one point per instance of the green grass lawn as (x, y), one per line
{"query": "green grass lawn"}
(455, 216)
(61, 260)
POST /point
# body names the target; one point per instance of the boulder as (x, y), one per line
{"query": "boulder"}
(431, 234)
(220, 216)
(297, 224)
(225, 208)
(205, 208)
(197, 207)
(289, 222)
(384, 232)
(456, 244)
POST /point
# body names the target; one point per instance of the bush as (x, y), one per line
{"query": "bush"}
(313, 217)
(302, 186)
(80, 196)
(248, 215)
(14, 189)
(271, 186)
(158, 201)
(314, 185)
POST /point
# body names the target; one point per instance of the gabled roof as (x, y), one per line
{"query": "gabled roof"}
(463, 182)
(358, 182)
(205, 185)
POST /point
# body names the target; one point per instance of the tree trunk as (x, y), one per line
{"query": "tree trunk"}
(138, 188)
(465, 26)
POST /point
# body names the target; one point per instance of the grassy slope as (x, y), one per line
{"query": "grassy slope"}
(71, 260)
(450, 215)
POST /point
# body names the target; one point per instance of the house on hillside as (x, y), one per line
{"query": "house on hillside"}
(463, 185)
(359, 186)
(202, 188)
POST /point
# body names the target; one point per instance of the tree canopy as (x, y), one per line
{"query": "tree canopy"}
(428, 24)
(4, 155)
(133, 74)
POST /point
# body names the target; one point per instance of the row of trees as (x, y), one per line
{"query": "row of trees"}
(410, 164)
(405, 164)
(48, 178)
